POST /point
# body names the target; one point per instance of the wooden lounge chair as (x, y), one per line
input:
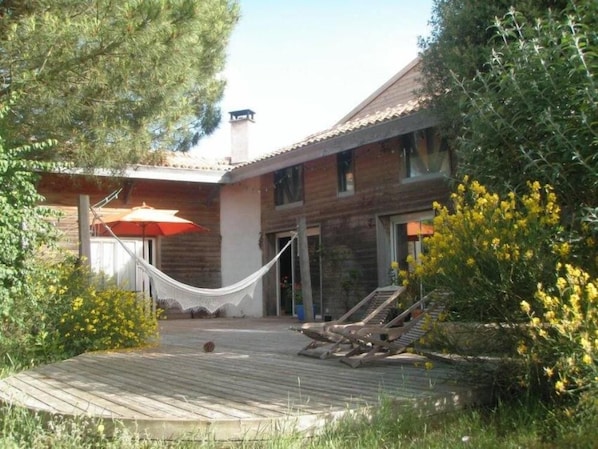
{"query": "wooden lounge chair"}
(376, 342)
(373, 309)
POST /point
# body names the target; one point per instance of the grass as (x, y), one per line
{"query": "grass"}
(505, 426)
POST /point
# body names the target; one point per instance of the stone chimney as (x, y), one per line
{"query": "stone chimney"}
(240, 125)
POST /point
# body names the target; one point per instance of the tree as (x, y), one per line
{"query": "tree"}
(533, 116)
(460, 44)
(529, 111)
(25, 229)
(110, 80)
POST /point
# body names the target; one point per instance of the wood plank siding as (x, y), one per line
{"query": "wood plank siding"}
(349, 224)
(193, 259)
(400, 89)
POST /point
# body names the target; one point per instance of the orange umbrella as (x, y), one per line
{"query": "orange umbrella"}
(145, 221)
(417, 229)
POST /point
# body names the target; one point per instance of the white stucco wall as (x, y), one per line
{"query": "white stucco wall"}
(241, 255)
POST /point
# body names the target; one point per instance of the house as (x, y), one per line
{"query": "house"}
(191, 189)
(361, 185)
(358, 184)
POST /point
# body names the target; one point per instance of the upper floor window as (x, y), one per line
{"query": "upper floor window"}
(288, 185)
(345, 172)
(426, 153)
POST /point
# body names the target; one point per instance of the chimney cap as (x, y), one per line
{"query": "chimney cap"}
(242, 114)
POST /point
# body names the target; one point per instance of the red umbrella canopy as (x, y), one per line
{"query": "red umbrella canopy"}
(145, 221)
(417, 229)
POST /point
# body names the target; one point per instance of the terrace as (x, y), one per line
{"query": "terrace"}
(251, 386)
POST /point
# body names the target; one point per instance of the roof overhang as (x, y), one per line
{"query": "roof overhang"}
(177, 174)
(357, 138)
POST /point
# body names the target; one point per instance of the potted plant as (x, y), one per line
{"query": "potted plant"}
(298, 301)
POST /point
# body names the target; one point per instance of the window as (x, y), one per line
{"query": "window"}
(288, 185)
(426, 153)
(344, 168)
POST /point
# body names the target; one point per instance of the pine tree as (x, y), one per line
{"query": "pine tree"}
(109, 80)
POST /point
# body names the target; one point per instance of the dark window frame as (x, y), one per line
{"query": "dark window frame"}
(345, 169)
(426, 154)
(288, 185)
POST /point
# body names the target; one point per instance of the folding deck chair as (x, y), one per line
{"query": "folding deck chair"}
(377, 305)
(376, 342)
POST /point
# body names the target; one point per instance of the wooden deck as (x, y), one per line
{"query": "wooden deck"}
(251, 386)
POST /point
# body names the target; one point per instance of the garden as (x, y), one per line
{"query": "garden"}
(516, 243)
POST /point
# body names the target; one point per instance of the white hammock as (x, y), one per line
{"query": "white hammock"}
(189, 297)
(167, 289)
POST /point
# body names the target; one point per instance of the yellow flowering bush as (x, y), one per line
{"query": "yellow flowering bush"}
(491, 251)
(107, 319)
(406, 279)
(69, 313)
(565, 332)
(85, 316)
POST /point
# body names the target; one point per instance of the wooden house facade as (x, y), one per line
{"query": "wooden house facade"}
(359, 185)
(194, 259)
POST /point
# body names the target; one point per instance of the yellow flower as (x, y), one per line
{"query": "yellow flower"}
(529, 254)
(559, 386)
(525, 306)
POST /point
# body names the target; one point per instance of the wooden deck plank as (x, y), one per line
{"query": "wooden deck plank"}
(151, 392)
(108, 388)
(228, 390)
(252, 384)
(164, 400)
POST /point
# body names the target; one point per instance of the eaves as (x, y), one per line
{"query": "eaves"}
(176, 174)
(311, 151)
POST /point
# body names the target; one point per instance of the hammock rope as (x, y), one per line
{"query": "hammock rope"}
(169, 290)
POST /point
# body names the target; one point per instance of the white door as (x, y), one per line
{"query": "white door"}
(112, 261)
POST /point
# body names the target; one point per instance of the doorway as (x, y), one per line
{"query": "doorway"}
(289, 293)
(111, 261)
(407, 233)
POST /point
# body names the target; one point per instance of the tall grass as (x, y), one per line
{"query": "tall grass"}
(504, 426)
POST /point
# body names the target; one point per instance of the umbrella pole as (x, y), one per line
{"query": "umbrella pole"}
(145, 274)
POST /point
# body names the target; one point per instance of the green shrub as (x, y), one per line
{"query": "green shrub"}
(89, 315)
(107, 319)
(67, 312)
(26, 232)
(492, 251)
(28, 333)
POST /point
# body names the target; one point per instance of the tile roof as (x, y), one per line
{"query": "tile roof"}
(193, 161)
(391, 113)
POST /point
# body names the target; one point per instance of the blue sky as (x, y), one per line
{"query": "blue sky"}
(302, 65)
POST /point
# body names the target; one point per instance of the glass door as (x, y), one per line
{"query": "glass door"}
(289, 274)
(112, 261)
(406, 239)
